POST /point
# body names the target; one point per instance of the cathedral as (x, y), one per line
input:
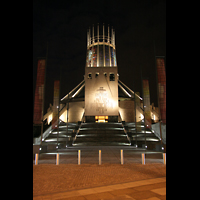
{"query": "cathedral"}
(101, 96)
(101, 102)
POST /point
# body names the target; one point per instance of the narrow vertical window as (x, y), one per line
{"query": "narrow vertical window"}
(89, 75)
(97, 74)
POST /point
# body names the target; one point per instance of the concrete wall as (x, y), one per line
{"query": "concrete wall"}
(101, 94)
(127, 110)
(76, 110)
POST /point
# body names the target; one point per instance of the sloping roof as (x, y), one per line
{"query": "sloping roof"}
(128, 93)
(79, 92)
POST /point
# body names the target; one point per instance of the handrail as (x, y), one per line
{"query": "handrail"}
(126, 134)
(37, 140)
(77, 132)
(158, 135)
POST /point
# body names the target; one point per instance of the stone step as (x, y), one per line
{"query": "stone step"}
(102, 144)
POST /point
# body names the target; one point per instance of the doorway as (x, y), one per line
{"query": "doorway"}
(101, 119)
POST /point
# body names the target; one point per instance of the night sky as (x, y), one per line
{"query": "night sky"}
(138, 25)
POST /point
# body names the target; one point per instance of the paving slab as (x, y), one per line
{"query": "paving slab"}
(128, 190)
(160, 191)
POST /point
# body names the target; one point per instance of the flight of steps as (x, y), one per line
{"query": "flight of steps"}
(64, 136)
(101, 134)
(151, 138)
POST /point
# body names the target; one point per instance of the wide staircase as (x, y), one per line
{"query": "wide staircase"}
(101, 134)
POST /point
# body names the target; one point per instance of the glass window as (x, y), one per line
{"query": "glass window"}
(89, 57)
(95, 56)
(100, 55)
(107, 60)
(112, 56)
(115, 62)
(112, 77)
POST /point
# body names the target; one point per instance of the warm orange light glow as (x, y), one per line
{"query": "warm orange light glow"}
(101, 118)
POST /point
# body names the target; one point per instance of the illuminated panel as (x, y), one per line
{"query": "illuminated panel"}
(146, 99)
(39, 92)
(161, 87)
(55, 103)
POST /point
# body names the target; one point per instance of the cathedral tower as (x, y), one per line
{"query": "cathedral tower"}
(101, 77)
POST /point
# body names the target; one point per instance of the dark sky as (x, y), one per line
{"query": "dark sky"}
(137, 24)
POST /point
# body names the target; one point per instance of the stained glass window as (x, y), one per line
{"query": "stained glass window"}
(107, 60)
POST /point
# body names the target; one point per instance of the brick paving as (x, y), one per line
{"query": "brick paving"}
(48, 178)
(92, 181)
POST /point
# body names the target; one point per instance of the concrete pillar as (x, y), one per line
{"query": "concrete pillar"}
(143, 158)
(57, 159)
(36, 159)
(79, 157)
(122, 157)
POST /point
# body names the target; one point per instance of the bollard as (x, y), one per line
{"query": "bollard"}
(79, 157)
(57, 159)
(36, 159)
(122, 157)
(143, 158)
(164, 158)
(99, 157)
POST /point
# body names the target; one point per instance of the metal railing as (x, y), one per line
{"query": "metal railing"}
(37, 140)
(100, 158)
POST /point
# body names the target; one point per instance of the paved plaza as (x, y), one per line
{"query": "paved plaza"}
(89, 180)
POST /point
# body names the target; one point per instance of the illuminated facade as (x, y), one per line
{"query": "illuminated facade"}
(101, 96)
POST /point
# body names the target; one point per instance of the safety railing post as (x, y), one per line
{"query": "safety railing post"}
(57, 159)
(79, 157)
(143, 158)
(122, 157)
(99, 157)
(164, 158)
(36, 159)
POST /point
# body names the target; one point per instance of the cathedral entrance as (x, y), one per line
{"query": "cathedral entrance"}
(101, 119)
